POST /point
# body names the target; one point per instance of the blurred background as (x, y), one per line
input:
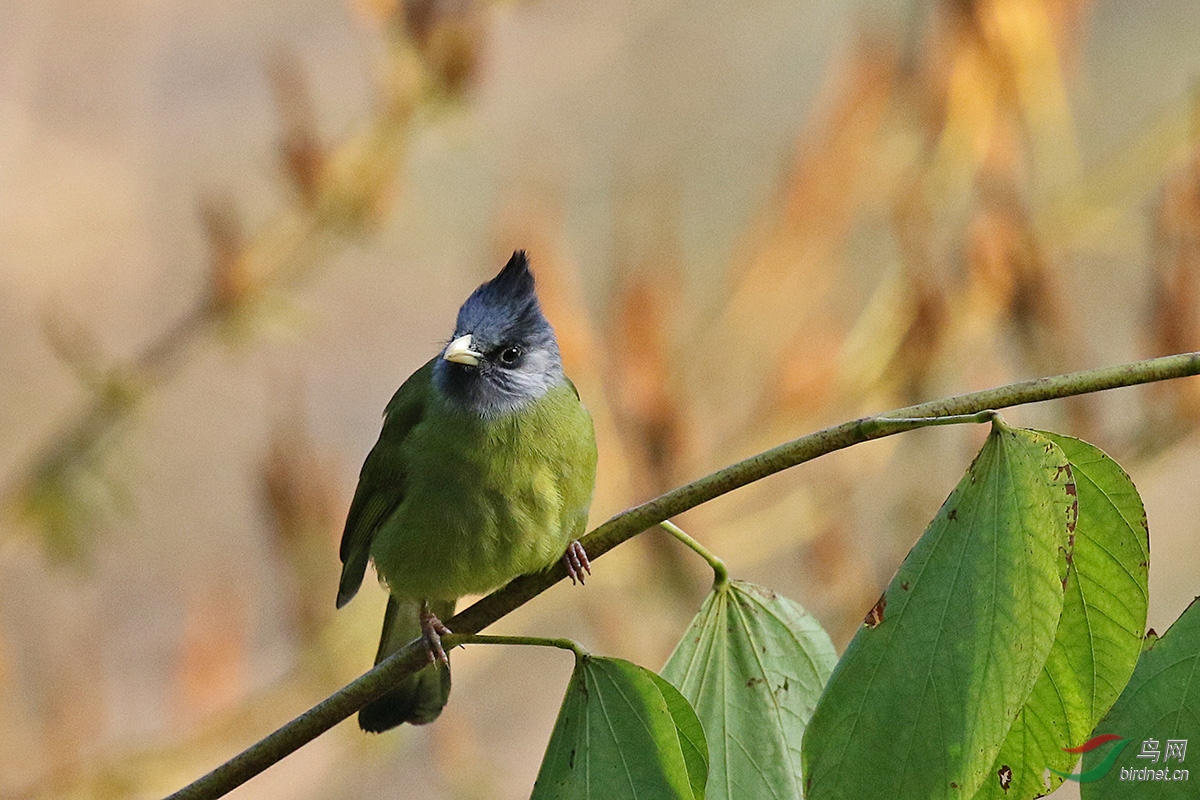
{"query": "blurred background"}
(229, 230)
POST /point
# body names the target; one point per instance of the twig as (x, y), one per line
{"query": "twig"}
(720, 571)
(455, 639)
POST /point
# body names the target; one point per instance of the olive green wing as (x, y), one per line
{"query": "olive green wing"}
(381, 481)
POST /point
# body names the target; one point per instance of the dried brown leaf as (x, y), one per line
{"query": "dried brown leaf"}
(303, 153)
(210, 666)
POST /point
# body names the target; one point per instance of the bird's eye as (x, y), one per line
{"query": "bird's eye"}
(509, 355)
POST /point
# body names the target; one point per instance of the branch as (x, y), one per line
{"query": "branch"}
(628, 524)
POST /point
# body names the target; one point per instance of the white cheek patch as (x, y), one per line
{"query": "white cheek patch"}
(540, 372)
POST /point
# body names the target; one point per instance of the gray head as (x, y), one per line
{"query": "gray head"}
(503, 353)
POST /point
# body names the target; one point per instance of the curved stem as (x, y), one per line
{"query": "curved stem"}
(454, 639)
(888, 425)
(628, 524)
(720, 571)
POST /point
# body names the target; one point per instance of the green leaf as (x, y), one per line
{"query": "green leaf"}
(692, 741)
(753, 664)
(923, 698)
(623, 732)
(1099, 634)
(1160, 705)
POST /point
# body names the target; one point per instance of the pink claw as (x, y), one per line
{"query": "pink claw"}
(434, 630)
(577, 562)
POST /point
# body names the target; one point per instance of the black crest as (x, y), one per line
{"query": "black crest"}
(513, 283)
(507, 300)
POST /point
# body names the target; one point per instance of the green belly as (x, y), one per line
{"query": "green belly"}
(487, 500)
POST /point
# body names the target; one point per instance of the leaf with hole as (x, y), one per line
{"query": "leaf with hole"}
(1099, 634)
(923, 698)
(753, 664)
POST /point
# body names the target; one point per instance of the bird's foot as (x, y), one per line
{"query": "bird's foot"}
(433, 630)
(577, 562)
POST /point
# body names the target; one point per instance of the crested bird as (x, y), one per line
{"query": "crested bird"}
(483, 471)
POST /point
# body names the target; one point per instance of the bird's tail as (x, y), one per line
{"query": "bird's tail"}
(419, 698)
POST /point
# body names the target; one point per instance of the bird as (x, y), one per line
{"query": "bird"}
(484, 471)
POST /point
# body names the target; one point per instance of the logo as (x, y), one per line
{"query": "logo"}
(1152, 750)
(1101, 769)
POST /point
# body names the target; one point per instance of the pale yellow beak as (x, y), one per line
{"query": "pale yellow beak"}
(459, 351)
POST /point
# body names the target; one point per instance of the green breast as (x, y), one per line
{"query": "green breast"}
(487, 500)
